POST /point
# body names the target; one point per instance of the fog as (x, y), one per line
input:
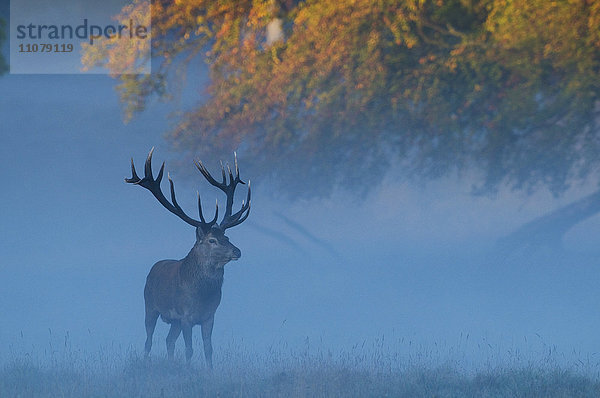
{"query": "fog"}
(411, 268)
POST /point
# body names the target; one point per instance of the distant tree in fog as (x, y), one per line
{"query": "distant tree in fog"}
(330, 93)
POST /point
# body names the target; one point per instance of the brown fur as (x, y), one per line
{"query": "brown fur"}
(187, 292)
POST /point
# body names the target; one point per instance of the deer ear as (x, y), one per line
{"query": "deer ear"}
(199, 234)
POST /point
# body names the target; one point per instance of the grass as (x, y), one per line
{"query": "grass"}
(140, 378)
(362, 372)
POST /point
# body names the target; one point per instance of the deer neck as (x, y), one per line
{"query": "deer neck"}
(197, 270)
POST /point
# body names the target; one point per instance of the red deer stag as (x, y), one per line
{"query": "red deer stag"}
(187, 292)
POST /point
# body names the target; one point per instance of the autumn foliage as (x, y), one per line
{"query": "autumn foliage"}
(329, 93)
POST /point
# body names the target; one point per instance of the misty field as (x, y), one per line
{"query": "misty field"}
(364, 371)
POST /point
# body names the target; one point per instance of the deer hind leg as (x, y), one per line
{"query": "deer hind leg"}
(187, 337)
(151, 317)
(172, 337)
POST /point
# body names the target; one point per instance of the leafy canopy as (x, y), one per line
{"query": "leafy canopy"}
(321, 94)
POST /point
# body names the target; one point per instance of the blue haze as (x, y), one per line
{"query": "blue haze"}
(412, 264)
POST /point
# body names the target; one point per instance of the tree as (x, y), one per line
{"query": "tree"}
(3, 65)
(328, 94)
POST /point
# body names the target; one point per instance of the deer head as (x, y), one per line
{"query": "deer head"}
(212, 251)
(211, 243)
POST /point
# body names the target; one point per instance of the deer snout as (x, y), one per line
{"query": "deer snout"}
(236, 253)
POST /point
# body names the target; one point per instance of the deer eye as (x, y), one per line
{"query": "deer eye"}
(212, 240)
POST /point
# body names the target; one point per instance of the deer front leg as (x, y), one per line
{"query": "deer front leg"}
(172, 337)
(186, 328)
(207, 327)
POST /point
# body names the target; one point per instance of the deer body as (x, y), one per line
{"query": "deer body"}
(187, 292)
(170, 293)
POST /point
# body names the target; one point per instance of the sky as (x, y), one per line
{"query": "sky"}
(412, 263)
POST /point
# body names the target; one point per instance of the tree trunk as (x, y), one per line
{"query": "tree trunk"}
(548, 230)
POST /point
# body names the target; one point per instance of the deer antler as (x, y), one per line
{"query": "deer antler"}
(229, 220)
(153, 185)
